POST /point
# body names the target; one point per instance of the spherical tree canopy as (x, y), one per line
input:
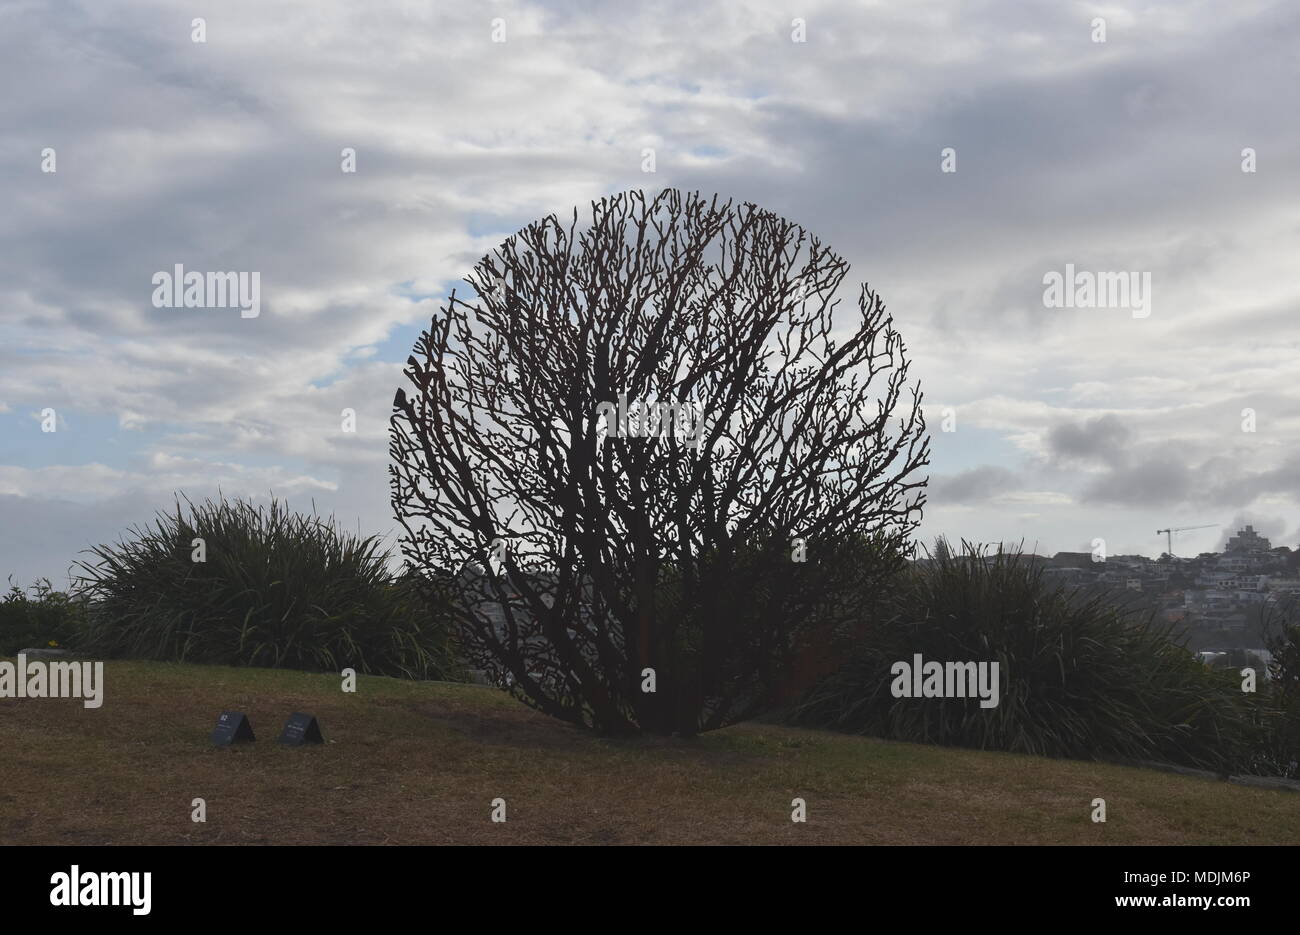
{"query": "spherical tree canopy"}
(651, 454)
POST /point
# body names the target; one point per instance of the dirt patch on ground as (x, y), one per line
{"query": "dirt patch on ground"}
(514, 726)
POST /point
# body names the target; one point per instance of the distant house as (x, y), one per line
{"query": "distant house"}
(1073, 559)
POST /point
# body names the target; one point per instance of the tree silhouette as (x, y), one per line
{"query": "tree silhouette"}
(643, 457)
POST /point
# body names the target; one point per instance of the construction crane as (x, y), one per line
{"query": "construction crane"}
(1169, 534)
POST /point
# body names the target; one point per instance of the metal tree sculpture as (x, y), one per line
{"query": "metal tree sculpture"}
(645, 465)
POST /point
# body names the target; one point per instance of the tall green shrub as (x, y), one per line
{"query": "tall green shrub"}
(1081, 676)
(277, 589)
(1281, 752)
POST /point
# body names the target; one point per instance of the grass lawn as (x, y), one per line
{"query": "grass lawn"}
(420, 763)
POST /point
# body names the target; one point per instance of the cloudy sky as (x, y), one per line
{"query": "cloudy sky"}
(1070, 423)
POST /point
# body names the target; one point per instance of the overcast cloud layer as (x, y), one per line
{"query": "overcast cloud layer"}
(1070, 423)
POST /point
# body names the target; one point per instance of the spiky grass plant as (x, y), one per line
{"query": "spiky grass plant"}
(1081, 675)
(275, 589)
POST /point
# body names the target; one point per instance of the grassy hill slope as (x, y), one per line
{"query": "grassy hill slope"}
(420, 763)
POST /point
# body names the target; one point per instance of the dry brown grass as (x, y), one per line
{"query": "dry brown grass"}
(419, 763)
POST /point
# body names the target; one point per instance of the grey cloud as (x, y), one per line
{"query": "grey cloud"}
(1154, 482)
(1169, 476)
(974, 485)
(1102, 439)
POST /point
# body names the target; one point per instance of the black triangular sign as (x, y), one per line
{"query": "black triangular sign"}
(301, 729)
(232, 727)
